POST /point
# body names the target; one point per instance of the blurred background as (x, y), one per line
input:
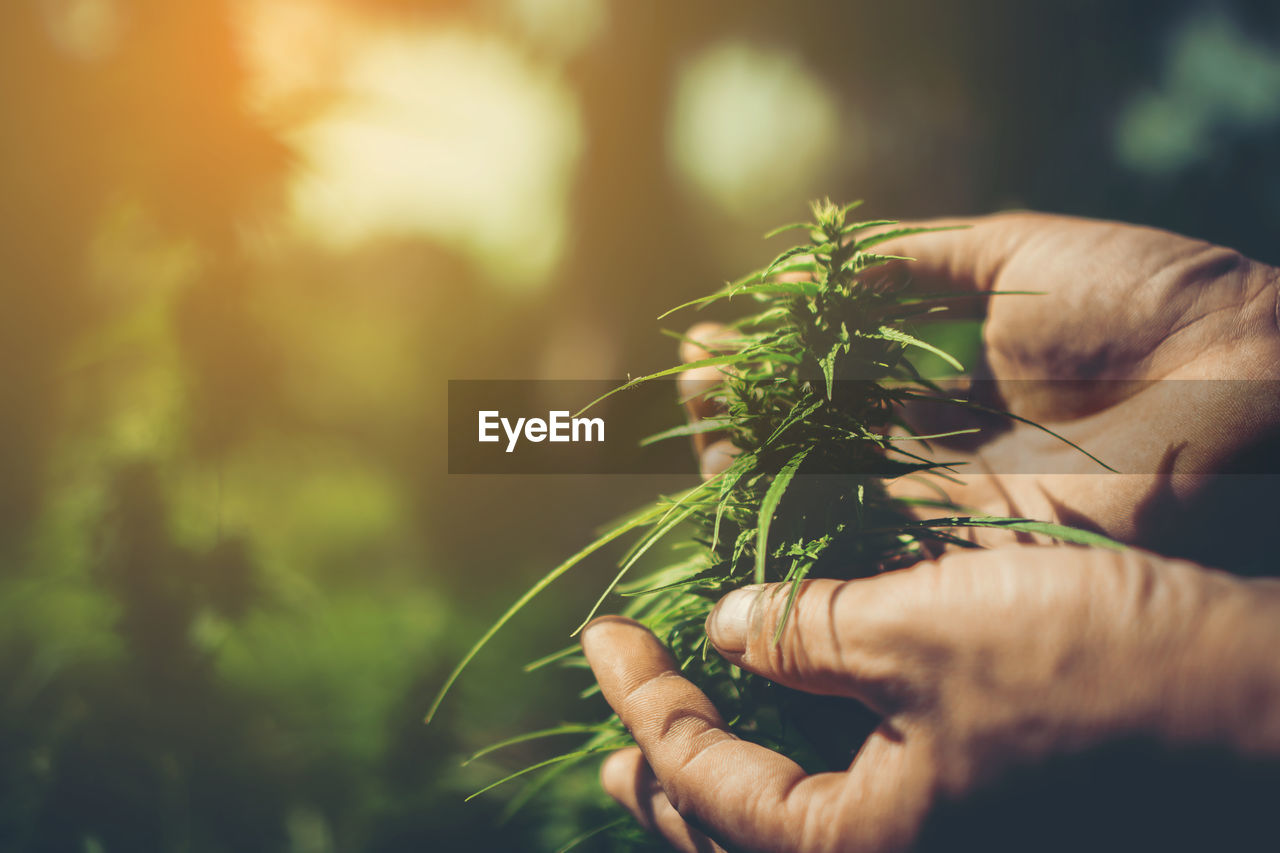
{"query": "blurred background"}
(246, 243)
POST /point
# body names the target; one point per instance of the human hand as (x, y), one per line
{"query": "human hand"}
(1111, 353)
(984, 666)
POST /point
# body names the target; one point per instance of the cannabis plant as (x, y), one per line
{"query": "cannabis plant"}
(814, 385)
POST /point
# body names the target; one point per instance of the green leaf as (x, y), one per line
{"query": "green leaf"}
(791, 600)
(866, 260)
(770, 505)
(791, 226)
(547, 579)
(731, 476)
(885, 236)
(797, 414)
(731, 358)
(666, 587)
(567, 651)
(1073, 535)
(828, 365)
(899, 336)
(566, 729)
(569, 756)
(770, 288)
(978, 407)
(941, 296)
(695, 428)
(870, 223)
(850, 207)
(661, 529)
(806, 266)
(804, 249)
(1062, 533)
(536, 786)
(592, 833)
(914, 437)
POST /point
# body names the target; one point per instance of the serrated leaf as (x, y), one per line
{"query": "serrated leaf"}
(940, 296)
(770, 288)
(850, 207)
(769, 506)
(791, 226)
(1063, 533)
(978, 407)
(885, 236)
(870, 223)
(804, 249)
(546, 580)
(566, 729)
(660, 530)
(732, 475)
(569, 756)
(864, 261)
(695, 428)
(791, 600)
(796, 415)
(899, 336)
(731, 358)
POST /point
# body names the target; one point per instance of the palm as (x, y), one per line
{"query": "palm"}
(1111, 353)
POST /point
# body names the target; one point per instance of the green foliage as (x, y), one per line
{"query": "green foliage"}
(813, 384)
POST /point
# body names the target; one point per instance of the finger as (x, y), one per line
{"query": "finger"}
(738, 792)
(716, 457)
(696, 386)
(697, 389)
(627, 777)
(967, 258)
(700, 341)
(847, 638)
(976, 256)
(1055, 256)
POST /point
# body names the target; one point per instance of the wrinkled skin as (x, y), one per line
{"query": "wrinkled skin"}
(1124, 319)
(982, 664)
(1031, 697)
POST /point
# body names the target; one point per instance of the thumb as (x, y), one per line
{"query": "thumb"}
(840, 638)
(967, 257)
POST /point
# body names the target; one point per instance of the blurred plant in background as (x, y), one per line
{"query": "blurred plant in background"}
(245, 242)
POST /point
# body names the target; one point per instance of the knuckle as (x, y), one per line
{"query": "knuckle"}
(770, 611)
(687, 785)
(811, 641)
(643, 695)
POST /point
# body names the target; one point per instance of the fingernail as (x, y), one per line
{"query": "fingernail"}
(588, 632)
(597, 628)
(730, 621)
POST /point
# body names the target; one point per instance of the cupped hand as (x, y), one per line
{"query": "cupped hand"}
(1157, 353)
(982, 665)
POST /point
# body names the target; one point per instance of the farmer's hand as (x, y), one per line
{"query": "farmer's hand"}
(985, 666)
(1122, 312)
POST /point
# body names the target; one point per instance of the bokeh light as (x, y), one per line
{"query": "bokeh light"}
(1217, 80)
(450, 135)
(751, 127)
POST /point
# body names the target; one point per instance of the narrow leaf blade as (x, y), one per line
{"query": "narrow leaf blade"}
(770, 505)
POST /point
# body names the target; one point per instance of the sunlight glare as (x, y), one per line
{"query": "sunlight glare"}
(450, 135)
(751, 127)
